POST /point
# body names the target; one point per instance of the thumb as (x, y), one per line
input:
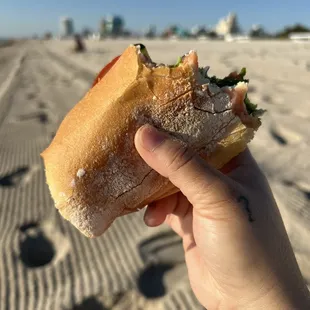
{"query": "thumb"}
(172, 159)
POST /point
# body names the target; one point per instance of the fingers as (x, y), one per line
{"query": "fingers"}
(175, 211)
(186, 170)
(182, 226)
(157, 211)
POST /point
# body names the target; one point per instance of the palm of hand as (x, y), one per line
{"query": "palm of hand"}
(217, 251)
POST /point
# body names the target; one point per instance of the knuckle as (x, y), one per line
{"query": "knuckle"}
(182, 155)
(217, 186)
(216, 192)
(169, 219)
(220, 202)
(220, 210)
(212, 188)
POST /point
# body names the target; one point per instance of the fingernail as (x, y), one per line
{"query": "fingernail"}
(151, 138)
(149, 220)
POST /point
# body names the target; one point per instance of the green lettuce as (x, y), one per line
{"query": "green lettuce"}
(251, 107)
(230, 80)
(179, 61)
(233, 80)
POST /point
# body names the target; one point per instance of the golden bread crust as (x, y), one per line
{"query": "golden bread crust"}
(92, 168)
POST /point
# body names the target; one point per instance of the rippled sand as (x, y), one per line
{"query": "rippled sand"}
(45, 263)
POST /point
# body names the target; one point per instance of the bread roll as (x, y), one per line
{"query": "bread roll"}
(92, 168)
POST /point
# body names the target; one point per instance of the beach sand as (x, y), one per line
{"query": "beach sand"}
(45, 263)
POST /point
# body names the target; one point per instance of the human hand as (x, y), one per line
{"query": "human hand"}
(236, 248)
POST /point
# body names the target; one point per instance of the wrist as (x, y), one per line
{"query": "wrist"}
(277, 298)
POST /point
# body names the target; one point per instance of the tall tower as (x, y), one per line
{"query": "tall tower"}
(118, 26)
(111, 26)
(66, 27)
(103, 27)
(228, 25)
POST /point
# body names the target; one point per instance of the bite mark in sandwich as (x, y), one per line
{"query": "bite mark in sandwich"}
(211, 115)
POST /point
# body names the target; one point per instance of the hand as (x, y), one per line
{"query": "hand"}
(236, 248)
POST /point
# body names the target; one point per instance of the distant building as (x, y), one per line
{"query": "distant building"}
(66, 27)
(117, 26)
(257, 31)
(199, 31)
(236, 38)
(150, 32)
(111, 26)
(175, 32)
(86, 32)
(300, 36)
(103, 27)
(228, 25)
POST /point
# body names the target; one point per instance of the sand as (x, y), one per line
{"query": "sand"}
(45, 263)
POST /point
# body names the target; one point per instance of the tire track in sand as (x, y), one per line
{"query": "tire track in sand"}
(4, 88)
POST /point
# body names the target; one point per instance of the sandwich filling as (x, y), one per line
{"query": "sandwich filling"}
(235, 84)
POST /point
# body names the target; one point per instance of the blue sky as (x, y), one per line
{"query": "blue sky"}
(26, 17)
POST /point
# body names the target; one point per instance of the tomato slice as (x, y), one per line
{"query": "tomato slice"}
(105, 70)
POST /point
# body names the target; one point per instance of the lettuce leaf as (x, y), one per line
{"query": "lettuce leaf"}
(179, 61)
(232, 80)
(251, 107)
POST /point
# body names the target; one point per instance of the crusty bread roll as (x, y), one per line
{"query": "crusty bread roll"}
(92, 167)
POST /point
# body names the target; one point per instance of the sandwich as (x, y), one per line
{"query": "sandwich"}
(93, 170)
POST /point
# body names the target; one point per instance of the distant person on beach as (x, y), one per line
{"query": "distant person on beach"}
(237, 251)
(79, 44)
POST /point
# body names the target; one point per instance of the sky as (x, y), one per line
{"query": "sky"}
(28, 17)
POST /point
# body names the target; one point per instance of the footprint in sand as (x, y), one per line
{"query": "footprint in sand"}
(66, 82)
(277, 137)
(101, 302)
(297, 198)
(165, 247)
(164, 257)
(90, 303)
(42, 117)
(304, 188)
(252, 89)
(298, 185)
(19, 177)
(35, 249)
(284, 135)
(45, 107)
(295, 62)
(30, 96)
(266, 99)
(42, 105)
(14, 178)
(128, 300)
(151, 281)
(307, 194)
(41, 244)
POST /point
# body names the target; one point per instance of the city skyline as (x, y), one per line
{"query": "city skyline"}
(26, 18)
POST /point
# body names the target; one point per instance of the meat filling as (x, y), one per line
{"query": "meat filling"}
(234, 84)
